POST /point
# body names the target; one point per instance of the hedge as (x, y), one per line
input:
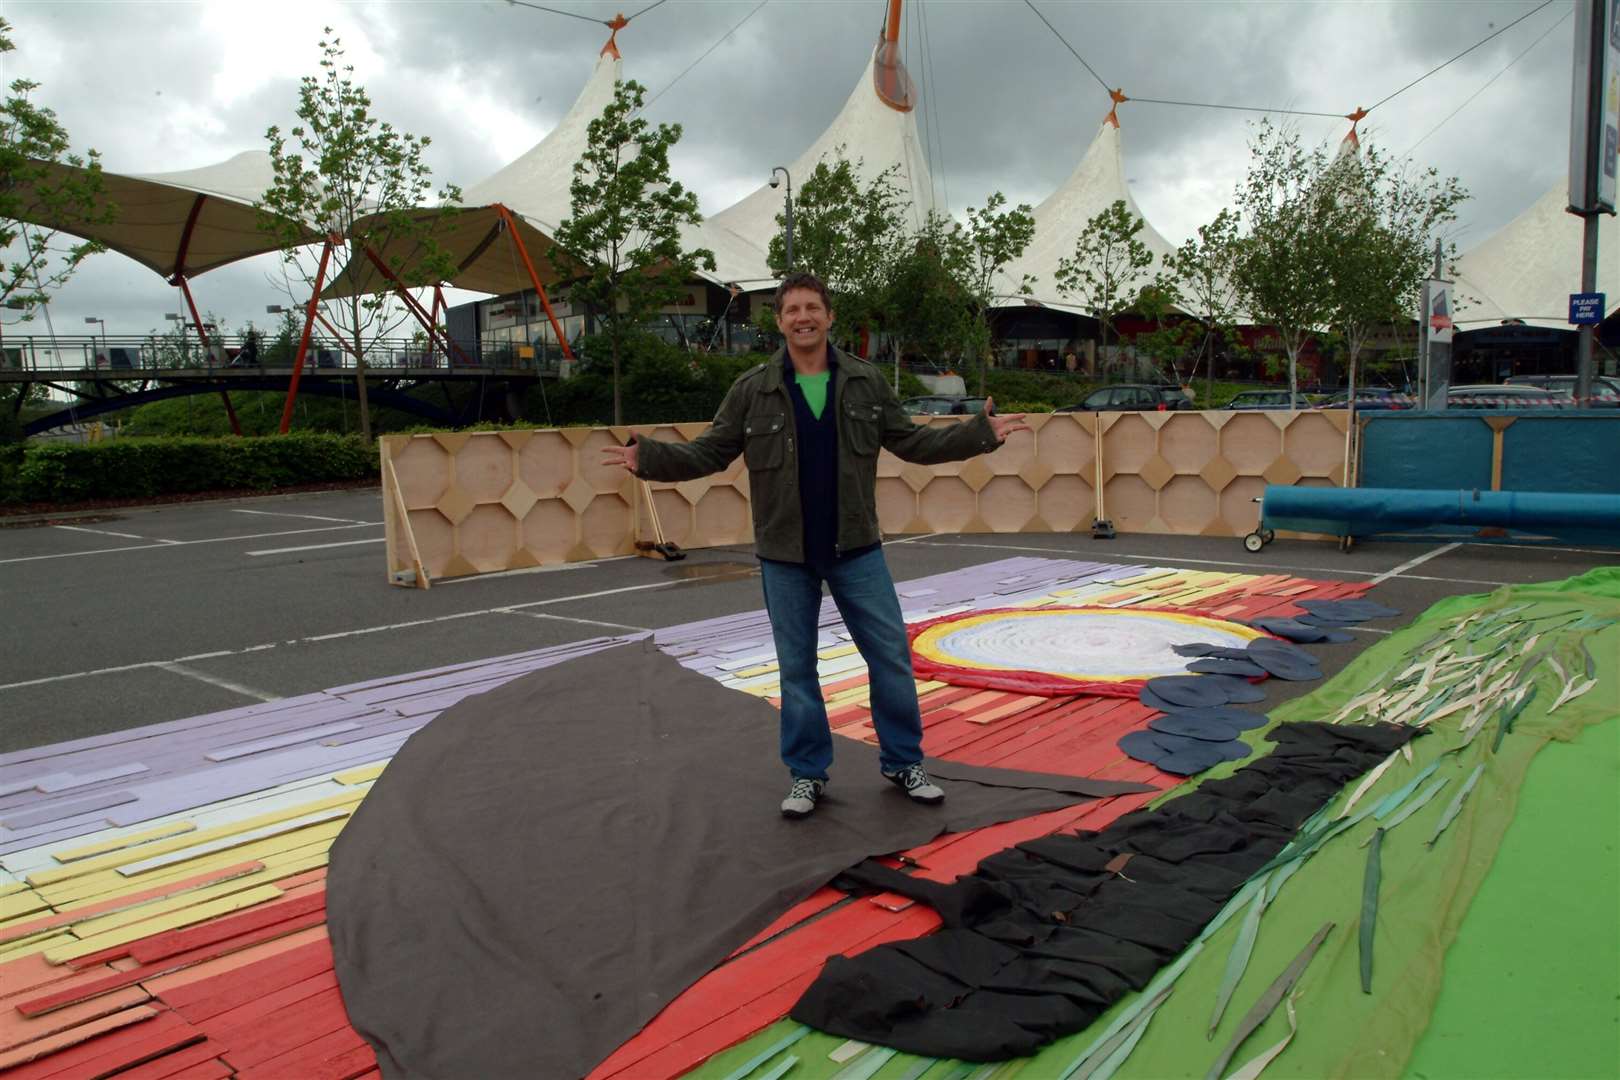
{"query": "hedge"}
(139, 468)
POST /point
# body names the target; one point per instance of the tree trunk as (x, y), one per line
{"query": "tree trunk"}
(1293, 369)
(618, 411)
(360, 375)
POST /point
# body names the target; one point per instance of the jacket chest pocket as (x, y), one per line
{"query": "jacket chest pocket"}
(764, 441)
(863, 422)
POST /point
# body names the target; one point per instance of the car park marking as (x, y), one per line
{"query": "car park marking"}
(308, 517)
(317, 547)
(109, 532)
(186, 543)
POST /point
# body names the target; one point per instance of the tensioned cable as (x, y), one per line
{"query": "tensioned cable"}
(705, 55)
(1465, 52)
(1066, 45)
(646, 9)
(933, 113)
(1235, 108)
(559, 11)
(1470, 99)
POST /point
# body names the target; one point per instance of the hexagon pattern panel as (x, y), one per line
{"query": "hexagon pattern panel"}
(488, 501)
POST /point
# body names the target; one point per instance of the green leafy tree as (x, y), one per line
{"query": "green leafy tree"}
(45, 189)
(1388, 220)
(1202, 272)
(928, 311)
(1109, 266)
(1282, 264)
(1168, 343)
(342, 172)
(622, 245)
(992, 240)
(852, 235)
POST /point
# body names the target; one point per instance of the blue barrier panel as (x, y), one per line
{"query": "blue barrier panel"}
(1443, 451)
(1569, 450)
(1579, 452)
(1365, 511)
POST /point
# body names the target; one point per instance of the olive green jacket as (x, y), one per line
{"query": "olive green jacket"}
(756, 421)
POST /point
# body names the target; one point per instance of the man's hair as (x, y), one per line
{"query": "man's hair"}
(802, 281)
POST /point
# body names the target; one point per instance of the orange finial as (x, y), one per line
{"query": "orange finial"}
(612, 47)
(1119, 98)
(1355, 118)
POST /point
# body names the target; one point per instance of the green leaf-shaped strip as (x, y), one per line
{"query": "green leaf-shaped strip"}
(1456, 803)
(1237, 961)
(1369, 907)
(1268, 1001)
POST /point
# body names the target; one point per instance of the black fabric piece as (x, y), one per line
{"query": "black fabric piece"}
(546, 865)
(818, 467)
(1145, 887)
(1220, 665)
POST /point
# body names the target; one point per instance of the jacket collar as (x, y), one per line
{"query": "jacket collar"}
(780, 370)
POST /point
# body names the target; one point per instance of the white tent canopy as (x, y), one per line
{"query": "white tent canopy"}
(1527, 270)
(177, 223)
(868, 131)
(1095, 185)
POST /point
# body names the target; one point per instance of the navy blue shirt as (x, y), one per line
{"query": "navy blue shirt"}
(818, 468)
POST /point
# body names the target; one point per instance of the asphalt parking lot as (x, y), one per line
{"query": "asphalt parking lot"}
(122, 618)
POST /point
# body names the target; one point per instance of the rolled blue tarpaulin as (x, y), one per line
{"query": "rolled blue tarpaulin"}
(1364, 511)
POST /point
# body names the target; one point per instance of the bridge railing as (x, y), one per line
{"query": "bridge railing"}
(112, 355)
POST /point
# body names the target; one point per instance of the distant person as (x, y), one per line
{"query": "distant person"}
(809, 424)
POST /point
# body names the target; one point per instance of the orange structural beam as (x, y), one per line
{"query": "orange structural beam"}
(303, 342)
(534, 278)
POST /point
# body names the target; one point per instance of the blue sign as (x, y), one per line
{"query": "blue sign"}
(1586, 309)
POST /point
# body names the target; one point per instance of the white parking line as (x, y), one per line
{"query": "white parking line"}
(504, 609)
(307, 517)
(187, 543)
(1419, 561)
(318, 547)
(583, 622)
(214, 680)
(109, 532)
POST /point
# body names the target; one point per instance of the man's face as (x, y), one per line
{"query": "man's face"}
(804, 319)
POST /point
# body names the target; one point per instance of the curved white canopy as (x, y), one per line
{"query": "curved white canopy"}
(1096, 184)
(1527, 270)
(867, 130)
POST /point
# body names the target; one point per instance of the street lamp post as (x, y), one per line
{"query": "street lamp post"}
(92, 320)
(185, 346)
(774, 182)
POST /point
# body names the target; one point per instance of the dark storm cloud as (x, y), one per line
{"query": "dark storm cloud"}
(160, 86)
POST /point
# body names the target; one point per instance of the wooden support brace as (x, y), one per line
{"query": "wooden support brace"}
(397, 528)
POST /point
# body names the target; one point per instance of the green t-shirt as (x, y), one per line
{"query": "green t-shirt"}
(814, 388)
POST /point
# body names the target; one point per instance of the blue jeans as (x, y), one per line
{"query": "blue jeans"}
(865, 596)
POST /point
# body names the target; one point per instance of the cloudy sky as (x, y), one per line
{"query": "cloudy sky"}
(160, 86)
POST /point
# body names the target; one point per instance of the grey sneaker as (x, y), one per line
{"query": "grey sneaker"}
(913, 780)
(802, 797)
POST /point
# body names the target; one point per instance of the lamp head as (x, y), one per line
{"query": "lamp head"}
(775, 182)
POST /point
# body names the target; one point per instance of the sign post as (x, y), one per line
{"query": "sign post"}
(1594, 149)
(1436, 329)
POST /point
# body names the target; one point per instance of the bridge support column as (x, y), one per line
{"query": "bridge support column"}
(303, 342)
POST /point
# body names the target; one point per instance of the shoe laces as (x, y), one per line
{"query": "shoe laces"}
(804, 788)
(913, 777)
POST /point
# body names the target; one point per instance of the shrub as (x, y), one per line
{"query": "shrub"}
(140, 468)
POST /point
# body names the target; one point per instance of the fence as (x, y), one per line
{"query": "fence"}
(471, 503)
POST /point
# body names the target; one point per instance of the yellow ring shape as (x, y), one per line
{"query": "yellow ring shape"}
(927, 643)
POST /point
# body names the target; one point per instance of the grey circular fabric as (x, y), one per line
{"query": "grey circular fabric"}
(1280, 647)
(1242, 719)
(1237, 691)
(1192, 725)
(1189, 691)
(1215, 665)
(1294, 630)
(1286, 665)
(1196, 648)
(1179, 754)
(1359, 610)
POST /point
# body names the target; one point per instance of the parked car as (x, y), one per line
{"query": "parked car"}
(1506, 397)
(1269, 399)
(943, 405)
(1129, 397)
(1373, 397)
(1605, 389)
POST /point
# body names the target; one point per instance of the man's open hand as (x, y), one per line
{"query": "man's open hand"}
(1003, 426)
(620, 455)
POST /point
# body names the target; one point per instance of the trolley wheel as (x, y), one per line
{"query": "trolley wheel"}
(1267, 535)
(1253, 542)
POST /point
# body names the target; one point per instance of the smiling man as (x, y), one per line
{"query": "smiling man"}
(809, 423)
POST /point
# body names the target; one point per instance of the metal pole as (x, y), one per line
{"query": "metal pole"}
(1588, 333)
(1597, 12)
(789, 219)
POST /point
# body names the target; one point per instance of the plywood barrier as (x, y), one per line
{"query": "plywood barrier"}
(472, 503)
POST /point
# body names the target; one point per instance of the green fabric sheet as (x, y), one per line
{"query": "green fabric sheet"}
(1531, 982)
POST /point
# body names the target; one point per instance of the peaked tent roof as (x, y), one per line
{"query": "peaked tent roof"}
(868, 130)
(1528, 269)
(1096, 184)
(186, 222)
(534, 187)
(536, 184)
